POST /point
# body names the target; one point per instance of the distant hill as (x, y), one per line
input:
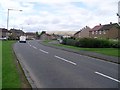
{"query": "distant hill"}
(62, 32)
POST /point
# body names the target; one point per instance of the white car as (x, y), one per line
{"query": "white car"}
(22, 39)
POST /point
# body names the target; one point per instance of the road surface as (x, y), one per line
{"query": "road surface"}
(55, 68)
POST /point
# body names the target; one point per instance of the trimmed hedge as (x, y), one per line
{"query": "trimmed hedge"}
(94, 43)
(91, 43)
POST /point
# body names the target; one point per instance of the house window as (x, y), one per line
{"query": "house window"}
(92, 32)
(96, 32)
(100, 32)
(104, 32)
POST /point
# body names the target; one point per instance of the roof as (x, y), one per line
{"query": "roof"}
(77, 32)
(85, 28)
(96, 28)
(108, 26)
(3, 30)
(16, 31)
(104, 27)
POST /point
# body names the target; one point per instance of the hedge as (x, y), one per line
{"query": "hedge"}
(91, 43)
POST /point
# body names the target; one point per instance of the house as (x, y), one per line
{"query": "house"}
(94, 30)
(16, 33)
(45, 36)
(4, 33)
(107, 31)
(83, 33)
(30, 35)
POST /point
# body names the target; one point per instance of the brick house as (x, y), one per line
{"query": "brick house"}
(4, 33)
(45, 37)
(107, 31)
(30, 35)
(16, 33)
(83, 33)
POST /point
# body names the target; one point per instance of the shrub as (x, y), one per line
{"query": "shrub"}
(64, 41)
(91, 43)
(71, 42)
(115, 44)
(94, 43)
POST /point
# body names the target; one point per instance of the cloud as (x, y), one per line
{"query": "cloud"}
(58, 14)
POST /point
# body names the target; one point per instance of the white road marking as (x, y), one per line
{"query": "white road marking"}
(65, 60)
(43, 51)
(28, 43)
(107, 76)
(34, 47)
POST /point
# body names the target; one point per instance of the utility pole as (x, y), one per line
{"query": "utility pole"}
(118, 14)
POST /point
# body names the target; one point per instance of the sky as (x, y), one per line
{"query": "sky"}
(57, 15)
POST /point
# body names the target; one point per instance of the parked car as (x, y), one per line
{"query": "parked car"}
(60, 40)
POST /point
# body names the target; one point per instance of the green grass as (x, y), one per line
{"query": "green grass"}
(105, 51)
(0, 65)
(10, 76)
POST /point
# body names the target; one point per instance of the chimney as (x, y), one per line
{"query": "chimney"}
(110, 22)
(100, 24)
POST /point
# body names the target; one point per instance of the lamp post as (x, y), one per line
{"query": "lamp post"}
(118, 14)
(8, 16)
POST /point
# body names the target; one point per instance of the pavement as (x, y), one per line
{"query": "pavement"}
(86, 53)
(49, 67)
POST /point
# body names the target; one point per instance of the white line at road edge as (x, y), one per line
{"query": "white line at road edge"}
(65, 60)
(107, 76)
(34, 47)
(43, 51)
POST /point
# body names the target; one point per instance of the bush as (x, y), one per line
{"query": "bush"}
(94, 43)
(71, 42)
(64, 41)
(115, 44)
(91, 43)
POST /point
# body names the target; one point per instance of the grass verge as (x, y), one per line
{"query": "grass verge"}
(106, 51)
(12, 74)
(0, 65)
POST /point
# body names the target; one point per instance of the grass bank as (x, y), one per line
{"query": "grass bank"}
(0, 65)
(10, 76)
(12, 73)
(106, 51)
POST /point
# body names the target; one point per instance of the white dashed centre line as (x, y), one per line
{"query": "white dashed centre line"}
(43, 51)
(65, 60)
(107, 76)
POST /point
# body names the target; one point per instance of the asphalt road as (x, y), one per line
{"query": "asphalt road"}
(54, 68)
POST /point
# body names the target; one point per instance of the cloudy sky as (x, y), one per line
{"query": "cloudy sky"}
(57, 15)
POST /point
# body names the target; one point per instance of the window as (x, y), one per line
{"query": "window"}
(104, 32)
(100, 32)
(96, 32)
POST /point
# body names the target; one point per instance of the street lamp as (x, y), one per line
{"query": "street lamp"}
(118, 15)
(8, 16)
